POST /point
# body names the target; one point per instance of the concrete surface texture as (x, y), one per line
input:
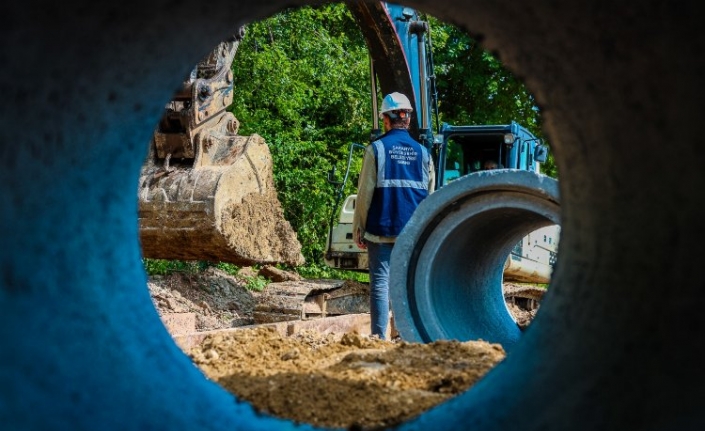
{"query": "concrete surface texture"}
(618, 343)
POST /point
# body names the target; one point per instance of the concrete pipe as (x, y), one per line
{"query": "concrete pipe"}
(618, 345)
(446, 268)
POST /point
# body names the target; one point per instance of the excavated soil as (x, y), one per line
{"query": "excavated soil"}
(335, 380)
(217, 299)
(354, 382)
(243, 223)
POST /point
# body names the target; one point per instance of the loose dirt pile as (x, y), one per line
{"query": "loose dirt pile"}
(217, 299)
(354, 382)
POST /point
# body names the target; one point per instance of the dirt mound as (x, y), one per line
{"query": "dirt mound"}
(217, 299)
(353, 381)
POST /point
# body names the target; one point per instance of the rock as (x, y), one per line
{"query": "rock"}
(278, 275)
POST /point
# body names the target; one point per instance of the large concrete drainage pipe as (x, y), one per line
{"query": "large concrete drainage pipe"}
(446, 268)
(617, 344)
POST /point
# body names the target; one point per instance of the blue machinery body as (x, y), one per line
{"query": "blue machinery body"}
(402, 60)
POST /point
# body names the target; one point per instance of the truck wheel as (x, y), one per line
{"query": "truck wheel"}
(446, 267)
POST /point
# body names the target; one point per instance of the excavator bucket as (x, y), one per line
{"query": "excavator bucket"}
(207, 193)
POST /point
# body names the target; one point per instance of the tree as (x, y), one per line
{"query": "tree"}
(475, 88)
(301, 82)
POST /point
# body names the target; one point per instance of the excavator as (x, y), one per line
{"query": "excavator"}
(402, 60)
(206, 193)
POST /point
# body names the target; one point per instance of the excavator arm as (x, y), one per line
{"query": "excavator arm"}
(388, 53)
(202, 182)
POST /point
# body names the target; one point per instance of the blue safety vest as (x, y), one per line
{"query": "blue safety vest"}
(403, 172)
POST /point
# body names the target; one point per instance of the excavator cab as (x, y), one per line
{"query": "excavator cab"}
(466, 149)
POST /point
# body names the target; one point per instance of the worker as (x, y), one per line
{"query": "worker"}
(397, 174)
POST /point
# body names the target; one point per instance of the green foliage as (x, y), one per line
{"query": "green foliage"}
(301, 83)
(166, 267)
(314, 271)
(474, 87)
(257, 283)
(228, 268)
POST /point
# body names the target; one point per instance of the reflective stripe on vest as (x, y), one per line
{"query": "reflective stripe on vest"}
(382, 180)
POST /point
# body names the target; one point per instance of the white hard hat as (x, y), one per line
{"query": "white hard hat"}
(395, 102)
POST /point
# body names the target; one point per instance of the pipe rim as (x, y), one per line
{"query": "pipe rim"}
(443, 288)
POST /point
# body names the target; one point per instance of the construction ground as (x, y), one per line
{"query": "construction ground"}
(297, 358)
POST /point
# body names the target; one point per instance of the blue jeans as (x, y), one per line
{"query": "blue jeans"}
(379, 255)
